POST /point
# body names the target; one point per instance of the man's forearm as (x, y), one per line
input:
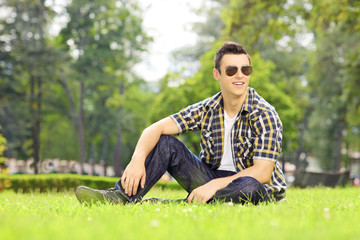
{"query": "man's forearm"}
(151, 135)
(146, 143)
(261, 171)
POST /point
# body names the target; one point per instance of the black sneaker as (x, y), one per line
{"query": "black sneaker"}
(89, 196)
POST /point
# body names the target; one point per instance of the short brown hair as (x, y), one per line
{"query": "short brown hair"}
(229, 48)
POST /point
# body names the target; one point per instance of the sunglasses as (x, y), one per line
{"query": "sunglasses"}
(232, 70)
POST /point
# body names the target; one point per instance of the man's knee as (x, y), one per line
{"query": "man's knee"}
(167, 141)
(163, 148)
(250, 189)
(248, 182)
(164, 142)
(164, 138)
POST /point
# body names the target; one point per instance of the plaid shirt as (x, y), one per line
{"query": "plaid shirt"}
(256, 134)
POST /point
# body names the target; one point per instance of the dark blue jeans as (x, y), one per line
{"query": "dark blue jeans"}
(190, 172)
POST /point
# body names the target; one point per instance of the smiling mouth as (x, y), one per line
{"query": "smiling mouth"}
(238, 83)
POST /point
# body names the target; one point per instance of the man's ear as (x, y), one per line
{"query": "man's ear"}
(216, 74)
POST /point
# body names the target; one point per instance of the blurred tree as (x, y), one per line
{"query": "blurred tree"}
(105, 40)
(14, 115)
(171, 97)
(2, 148)
(27, 66)
(131, 114)
(58, 137)
(334, 79)
(186, 59)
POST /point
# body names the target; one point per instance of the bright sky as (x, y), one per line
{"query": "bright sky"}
(169, 23)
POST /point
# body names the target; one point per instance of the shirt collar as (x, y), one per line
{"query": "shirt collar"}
(248, 101)
(216, 101)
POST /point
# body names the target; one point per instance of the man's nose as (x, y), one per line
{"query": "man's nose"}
(239, 73)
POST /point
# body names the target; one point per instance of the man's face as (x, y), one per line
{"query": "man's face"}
(236, 85)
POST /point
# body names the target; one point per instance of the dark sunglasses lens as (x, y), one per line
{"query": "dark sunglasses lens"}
(246, 70)
(231, 70)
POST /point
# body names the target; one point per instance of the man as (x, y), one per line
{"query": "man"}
(241, 138)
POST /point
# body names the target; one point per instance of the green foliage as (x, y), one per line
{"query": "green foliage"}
(334, 80)
(256, 23)
(91, 57)
(59, 138)
(27, 70)
(51, 182)
(203, 85)
(2, 147)
(62, 182)
(169, 99)
(314, 86)
(105, 40)
(186, 59)
(134, 116)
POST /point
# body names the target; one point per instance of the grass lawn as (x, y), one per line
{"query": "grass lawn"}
(316, 213)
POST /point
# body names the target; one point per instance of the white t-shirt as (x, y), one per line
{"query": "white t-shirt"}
(227, 161)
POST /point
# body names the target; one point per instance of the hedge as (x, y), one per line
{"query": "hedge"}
(25, 183)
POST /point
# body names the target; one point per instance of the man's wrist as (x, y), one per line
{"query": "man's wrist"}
(138, 159)
(221, 183)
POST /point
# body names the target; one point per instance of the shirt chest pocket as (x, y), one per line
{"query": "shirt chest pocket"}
(244, 148)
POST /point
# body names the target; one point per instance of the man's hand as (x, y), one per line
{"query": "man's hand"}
(205, 192)
(133, 175)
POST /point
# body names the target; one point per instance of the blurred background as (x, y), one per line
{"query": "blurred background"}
(80, 80)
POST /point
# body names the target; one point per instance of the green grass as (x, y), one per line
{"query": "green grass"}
(316, 213)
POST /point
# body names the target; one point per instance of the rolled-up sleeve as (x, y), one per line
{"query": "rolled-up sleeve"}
(268, 141)
(189, 118)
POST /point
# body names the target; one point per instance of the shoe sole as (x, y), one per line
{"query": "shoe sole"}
(88, 196)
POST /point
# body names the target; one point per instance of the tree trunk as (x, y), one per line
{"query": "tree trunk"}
(118, 146)
(300, 164)
(32, 114)
(38, 117)
(117, 155)
(77, 118)
(81, 128)
(93, 158)
(105, 143)
(338, 144)
(35, 110)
